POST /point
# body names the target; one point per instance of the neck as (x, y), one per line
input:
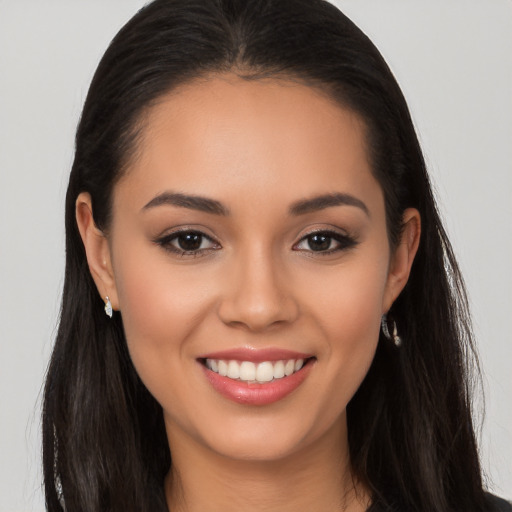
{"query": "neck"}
(318, 478)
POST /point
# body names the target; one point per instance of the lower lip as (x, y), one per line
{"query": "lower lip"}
(257, 394)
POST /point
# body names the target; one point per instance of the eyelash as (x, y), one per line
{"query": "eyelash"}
(166, 242)
(344, 242)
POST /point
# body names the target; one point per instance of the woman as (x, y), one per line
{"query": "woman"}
(284, 323)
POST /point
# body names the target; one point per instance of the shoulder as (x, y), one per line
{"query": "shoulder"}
(498, 504)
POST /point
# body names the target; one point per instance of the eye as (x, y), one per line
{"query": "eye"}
(325, 242)
(187, 242)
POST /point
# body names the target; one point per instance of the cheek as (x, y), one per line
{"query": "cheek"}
(349, 301)
(347, 308)
(161, 306)
(154, 294)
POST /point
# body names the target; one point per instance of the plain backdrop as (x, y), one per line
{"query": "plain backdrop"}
(454, 63)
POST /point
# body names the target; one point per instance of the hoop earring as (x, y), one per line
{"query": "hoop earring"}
(108, 307)
(395, 338)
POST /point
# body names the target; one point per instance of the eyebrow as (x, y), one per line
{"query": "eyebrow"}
(326, 201)
(202, 204)
(300, 207)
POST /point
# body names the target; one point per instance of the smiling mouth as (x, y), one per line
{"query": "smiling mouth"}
(255, 373)
(256, 378)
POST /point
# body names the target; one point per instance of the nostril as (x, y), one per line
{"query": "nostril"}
(257, 315)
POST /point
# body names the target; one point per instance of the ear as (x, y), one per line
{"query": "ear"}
(97, 250)
(403, 257)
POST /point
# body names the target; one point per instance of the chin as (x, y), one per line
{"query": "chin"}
(270, 439)
(263, 448)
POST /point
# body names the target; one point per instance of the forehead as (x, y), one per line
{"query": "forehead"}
(225, 134)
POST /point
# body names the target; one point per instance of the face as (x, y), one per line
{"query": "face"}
(250, 262)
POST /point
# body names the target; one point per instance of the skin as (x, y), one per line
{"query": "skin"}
(256, 147)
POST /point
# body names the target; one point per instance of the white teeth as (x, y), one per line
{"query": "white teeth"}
(279, 370)
(223, 368)
(289, 367)
(265, 372)
(233, 370)
(251, 372)
(247, 371)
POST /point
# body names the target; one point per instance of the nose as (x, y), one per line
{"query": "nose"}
(257, 294)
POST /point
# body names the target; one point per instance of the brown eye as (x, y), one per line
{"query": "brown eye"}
(319, 242)
(189, 241)
(325, 242)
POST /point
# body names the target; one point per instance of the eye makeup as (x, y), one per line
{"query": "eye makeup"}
(194, 242)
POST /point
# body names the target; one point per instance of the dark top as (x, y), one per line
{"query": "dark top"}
(495, 505)
(499, 505)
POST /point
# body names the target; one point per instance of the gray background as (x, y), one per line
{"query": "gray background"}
(453, 60)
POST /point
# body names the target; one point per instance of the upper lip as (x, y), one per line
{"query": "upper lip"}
(256, 355)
